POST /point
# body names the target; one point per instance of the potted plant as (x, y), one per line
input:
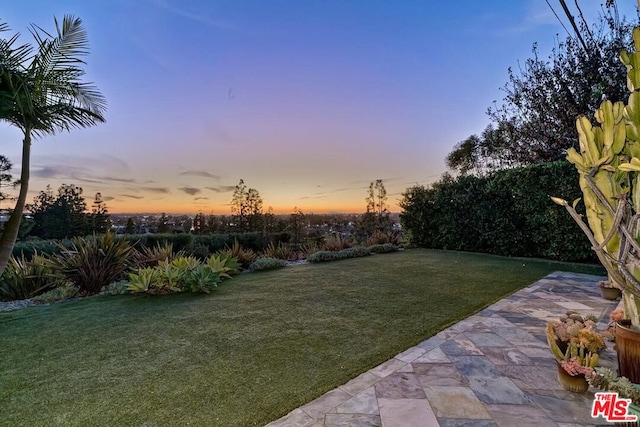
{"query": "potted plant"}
(608, 290)
(575, 344)
(608, 166)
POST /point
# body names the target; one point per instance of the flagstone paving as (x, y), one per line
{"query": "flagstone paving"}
(491, 369)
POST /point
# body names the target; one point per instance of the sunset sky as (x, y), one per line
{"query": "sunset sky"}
(307, 101)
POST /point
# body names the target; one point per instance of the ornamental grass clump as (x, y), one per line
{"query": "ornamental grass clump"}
(90, 263)
(23, 279)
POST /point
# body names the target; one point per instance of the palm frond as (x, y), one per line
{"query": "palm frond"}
(43, 92)
(65, 49)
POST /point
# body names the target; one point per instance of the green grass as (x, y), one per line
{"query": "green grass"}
(247, 354)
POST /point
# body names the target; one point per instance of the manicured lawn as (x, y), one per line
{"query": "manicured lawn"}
(262, 345)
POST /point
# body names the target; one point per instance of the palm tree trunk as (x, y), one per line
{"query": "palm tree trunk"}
(10, 234)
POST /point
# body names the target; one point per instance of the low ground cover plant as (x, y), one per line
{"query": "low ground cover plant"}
(264, 264)
(325, 256)
(383, 248)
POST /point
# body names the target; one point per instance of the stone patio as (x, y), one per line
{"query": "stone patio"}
(491, 369)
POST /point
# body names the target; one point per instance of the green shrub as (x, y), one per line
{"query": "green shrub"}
(61, 293)
(23, 279)
(507, 212)
(383, 248)
(91, 263)
(325, 256)
(116, 288)
(354, 252)
(199, 251)
(264, 264)
(29, 248)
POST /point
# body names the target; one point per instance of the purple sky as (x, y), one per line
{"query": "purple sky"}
(307, 101)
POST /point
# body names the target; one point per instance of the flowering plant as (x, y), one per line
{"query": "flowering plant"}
(575, 343)
(574, 328)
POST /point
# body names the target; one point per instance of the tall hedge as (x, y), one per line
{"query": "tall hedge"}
(507, 212)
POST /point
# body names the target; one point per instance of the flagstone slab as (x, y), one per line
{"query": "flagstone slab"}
(434, 356)
(352, 420)
(431, 343)
(317, 408)
(572, 305)
(400, 386)
(484, 339)
(497, 390)
(455, 402)
(411, 354)
(439, 374)
(564, 406)
(532, 377)
(464, 422)
(476, 366)
(388, 367)
(497, 321)
(506, 356)
(519, 415)
(295, 418)
(364, 402)
(360, 383)
(407, 413)
(460, 346)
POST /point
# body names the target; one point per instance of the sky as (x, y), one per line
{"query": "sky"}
(307, 101)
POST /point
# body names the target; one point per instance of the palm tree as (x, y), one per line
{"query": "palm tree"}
(41, 93)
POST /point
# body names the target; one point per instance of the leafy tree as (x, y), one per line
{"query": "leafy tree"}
(270, 221)
(297, 224)
(163, 226)
(99, 217)
(131, 227)
(377, 215)
(536, 120)
(246, 207)
(41, 93)
(200, 225)
(59, 216)
(6, 179)
(239, 206)
(377, 198)
(253, 203)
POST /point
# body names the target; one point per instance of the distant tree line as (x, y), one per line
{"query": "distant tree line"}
(64, 214)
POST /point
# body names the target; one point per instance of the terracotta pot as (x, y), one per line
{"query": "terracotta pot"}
(610, 294)
(628, 348)
(576, 384)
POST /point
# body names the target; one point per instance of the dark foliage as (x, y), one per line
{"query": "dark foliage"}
(535, 122)
(507, 213)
